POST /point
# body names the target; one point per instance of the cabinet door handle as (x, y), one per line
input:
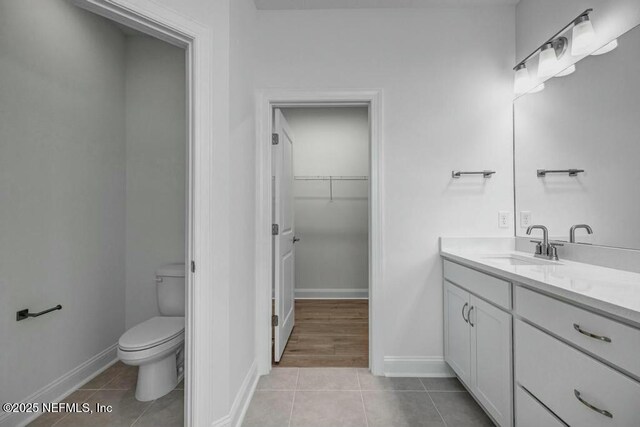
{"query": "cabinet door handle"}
(466, 319)
(469, 316)
(590, 406)
(590, 335)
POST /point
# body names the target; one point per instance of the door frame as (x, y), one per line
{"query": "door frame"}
(266, 101)
(197, 41)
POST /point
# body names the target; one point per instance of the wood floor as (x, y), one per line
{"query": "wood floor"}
(329, 333)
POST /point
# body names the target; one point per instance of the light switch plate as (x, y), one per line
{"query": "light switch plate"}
(503, 219)
(525, 219)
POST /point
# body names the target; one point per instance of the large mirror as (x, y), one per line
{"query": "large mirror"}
(588, 121)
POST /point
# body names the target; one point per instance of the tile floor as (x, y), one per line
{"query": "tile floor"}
(336, 397)
(116, 386)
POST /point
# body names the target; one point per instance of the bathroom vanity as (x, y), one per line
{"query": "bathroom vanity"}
(540, 342)
(548, 333)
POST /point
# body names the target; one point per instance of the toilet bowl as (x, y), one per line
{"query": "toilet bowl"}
(156, 345)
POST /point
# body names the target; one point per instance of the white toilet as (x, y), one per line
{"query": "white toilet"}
(157, 345)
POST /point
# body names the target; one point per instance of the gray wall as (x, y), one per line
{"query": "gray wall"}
(62, 190)
(332, 258)
(240, 179)
(156, 148)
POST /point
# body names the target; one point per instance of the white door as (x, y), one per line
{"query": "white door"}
(491, 377)
(457, 338)
(283, 243)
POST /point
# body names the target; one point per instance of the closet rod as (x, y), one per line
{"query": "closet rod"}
(330, 178)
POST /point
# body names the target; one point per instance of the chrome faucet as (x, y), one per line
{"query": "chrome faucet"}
(572, 231)
(544, 249)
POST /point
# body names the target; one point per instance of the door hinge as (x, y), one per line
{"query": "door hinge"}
(275, 230)
(193, 266)
(274, 320)
(275, 139)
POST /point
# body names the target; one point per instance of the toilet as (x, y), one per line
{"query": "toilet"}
(156, 345)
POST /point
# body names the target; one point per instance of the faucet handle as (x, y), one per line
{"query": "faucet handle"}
(538, 246)
(553, 250)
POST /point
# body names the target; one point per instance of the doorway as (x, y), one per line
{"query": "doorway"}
(325, 238)
(302, 340)
(202, 135)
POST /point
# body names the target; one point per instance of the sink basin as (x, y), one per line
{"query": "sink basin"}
(516, 260)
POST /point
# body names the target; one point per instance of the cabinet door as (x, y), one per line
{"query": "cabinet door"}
(457, 336)
(491, 356)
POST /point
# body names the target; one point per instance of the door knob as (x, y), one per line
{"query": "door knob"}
(295, 239)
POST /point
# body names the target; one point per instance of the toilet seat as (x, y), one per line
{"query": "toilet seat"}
(152, 333)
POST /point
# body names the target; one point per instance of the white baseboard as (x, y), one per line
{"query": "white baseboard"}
(243, 398)
(353, 293)
(241, 401)
(222, 422)
(420, 366)
(64, 386)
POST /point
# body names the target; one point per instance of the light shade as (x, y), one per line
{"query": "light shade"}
(569, 70)
(548, 61)
(607, 47)
(522, 81)
(583, 36)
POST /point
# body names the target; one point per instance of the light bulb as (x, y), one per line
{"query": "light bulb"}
(607, 47)
(583, 36)
(547, 61)
(522, 81)
(569, 70)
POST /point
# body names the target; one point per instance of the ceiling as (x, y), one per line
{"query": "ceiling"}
(372, 4)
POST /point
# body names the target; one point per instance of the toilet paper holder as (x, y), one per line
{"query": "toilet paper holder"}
(24, 314)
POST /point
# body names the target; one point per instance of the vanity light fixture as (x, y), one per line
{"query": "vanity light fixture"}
(552, 50)
(607, 47)
(550, 53)
(522, 80)
(583, 35)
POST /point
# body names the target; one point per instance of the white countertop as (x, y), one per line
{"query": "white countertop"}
(610, 291)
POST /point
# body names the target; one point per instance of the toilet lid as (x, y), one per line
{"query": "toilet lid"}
(151, 333)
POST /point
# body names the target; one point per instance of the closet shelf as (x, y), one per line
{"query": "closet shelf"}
(330, 178)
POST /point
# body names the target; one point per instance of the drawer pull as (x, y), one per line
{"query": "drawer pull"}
(590, 335)
(590, 406)
(466, 319)
(469, 316)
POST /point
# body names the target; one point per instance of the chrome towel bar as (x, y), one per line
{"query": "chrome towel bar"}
(24, 314)
(485, 174)
(572, 172)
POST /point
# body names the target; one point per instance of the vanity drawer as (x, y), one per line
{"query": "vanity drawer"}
(559, 375)
(530, 413)
(561, 319)
(488, 287)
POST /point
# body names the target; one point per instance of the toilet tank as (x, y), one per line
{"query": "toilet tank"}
(171, 289)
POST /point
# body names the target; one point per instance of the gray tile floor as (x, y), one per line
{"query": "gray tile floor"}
(116, 386)
(336, 397)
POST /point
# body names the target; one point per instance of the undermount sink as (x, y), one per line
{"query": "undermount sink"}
(516, 260)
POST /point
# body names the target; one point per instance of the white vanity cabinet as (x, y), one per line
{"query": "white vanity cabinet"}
(457, 340)
(478, 338)
(579, 364)
(533, 357)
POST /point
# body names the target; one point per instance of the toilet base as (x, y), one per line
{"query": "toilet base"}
(157, 378)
